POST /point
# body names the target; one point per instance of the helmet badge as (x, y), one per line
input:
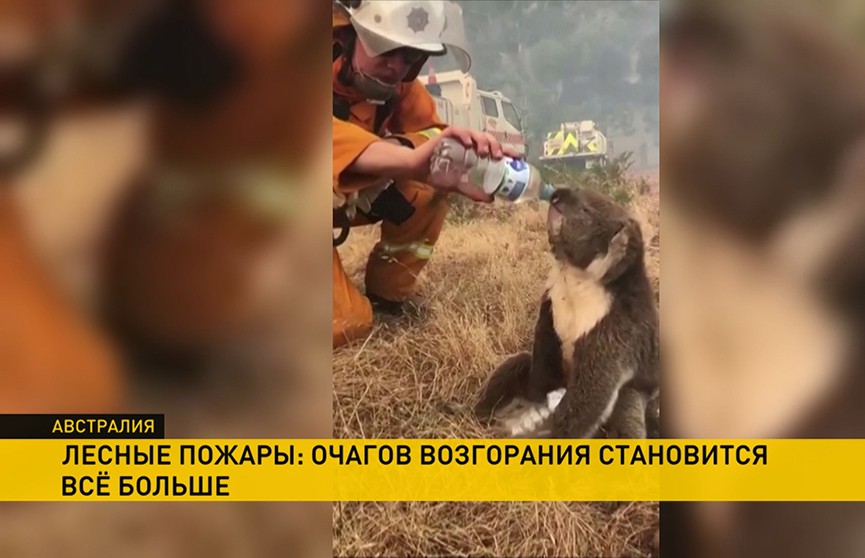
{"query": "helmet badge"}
(418, 19)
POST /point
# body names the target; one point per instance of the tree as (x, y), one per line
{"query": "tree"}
(564, 61)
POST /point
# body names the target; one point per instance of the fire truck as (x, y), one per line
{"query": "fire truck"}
(578, 145)
(461, 103)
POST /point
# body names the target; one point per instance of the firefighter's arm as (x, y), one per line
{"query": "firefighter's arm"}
(362, 159)
(416, 119)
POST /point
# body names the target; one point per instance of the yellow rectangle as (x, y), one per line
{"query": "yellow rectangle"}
(435, 470)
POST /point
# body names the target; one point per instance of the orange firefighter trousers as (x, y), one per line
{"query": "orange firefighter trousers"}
(393, 266)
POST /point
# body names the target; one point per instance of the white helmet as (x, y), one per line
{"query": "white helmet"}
(433, 26)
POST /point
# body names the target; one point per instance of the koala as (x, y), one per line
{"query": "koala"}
(593, 366)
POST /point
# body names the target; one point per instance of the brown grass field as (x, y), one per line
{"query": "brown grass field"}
(480, 293)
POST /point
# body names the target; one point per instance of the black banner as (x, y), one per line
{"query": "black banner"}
(82, 426)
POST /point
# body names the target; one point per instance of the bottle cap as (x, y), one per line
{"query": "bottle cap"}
(547, 191)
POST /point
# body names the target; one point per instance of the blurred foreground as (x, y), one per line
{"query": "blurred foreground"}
(763, 132)
(161, 250)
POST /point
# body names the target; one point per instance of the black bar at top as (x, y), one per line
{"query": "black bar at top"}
(33, 427)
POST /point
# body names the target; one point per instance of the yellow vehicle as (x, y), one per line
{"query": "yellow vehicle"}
(461, 103)
(578, 145)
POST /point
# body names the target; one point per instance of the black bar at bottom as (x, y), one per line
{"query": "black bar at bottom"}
(33, 427)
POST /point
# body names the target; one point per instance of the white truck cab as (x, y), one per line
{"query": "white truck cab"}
(461, 103)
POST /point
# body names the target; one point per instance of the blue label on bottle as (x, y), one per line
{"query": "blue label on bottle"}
(517, 191)
(515, 181)
(517, 164)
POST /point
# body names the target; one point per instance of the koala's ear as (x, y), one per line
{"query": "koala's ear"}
(619, 257)
(625, 230)
(620, 240)
(629, 228)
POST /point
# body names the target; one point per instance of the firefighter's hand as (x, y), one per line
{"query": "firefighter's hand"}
(487, 145)
(484, 143)
(451, 182)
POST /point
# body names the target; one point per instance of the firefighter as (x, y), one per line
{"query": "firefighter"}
(385, 127)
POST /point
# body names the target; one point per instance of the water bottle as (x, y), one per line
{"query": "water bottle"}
(510, 179)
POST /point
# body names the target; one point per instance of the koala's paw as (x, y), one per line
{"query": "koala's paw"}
(527, 422)
(532, 419)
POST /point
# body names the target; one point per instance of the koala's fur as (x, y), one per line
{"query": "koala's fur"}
(596, 334)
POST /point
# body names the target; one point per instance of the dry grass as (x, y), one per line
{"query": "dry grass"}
(481, 292)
